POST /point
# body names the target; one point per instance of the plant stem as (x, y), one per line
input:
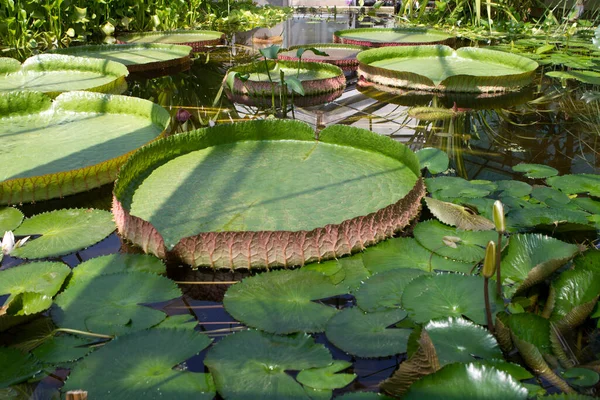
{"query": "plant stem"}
(78, 332)
(488, 310)
(498, 275)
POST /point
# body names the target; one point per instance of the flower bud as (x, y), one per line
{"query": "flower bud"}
(499, 219)
(489, 262)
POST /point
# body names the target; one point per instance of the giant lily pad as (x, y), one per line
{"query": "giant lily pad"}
(108, 305)
(440, 68)
(196, 39)
(213, 197)
(318, 81)
(33, 285)
(283, 301)
(448, 295)
(63, 232)
(382, 37)
(72, 145)
(252, 364)
(137, 366)
(341, 55)
(137, 57)
(16, 366)
(368, 334)
(57, 73)
(579, 183)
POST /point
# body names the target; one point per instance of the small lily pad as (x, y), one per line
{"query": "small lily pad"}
(63, 232)
(581, 377)
(16, 366)
(435, 160)
(576, 292)
(182, 321)
(513, 188)
(283, 301)
(579, 183)
(368, 334)
(253, 364)
(10, 219)
(59, 350)
(363, 396)
(384, 290)
(458, 216)
(587, 204)
(550, 196)
(535, 171)
(448, 295)
(115, 263)
(137, 366)
(469, 245)
(108, 305)
(447, 187)
(327, 378)
(32, 285)
(535, 215)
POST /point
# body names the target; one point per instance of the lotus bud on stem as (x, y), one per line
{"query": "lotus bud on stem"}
(500, 222)
(489, 266)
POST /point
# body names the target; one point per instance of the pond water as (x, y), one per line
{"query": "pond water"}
(546, 124)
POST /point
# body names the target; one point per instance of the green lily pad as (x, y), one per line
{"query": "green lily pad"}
(108, 305)
(471, 380)
(535, 171)
(467, 246)
(32, 285)
(581, 377)
(363, 396)
(253, 364)
(368, 334)
(590, 260)
(197, 39)
(182, 321)
(327, 377)
(533, 329)
(435, 160)
(376, 37)
(60, 350)
(137, 366)
(63, 232)
(400, 253)
(459, 340)
(535, 215)
(16, 366)
(115, 263)
(10, 219)
(458, 216)
(513, 188)
(56, 73)
(550, 196)
(283, 301)
(587, 204)
(448, 187)
(533, 257)
(590, 77)
(71, 145)
(579, 183)
(448, 295)
(384, 290)
(576, 292)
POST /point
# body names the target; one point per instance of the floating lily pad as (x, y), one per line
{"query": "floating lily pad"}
(33, 285)
(16, 366)
(467, 381)
(448, 295)
(434, 114)
(253, 364)
(60, 350)
(550, 196)
(137, 366)
(468, 246)
(238, 211)
(533, 329)
(381, 37)
(535, 215)
(384, 290)
(196, 39)
(581, 377)
(10, 219)
(535, 171)
(283, 301)
(326, 377)
(587, 204)
(399, 253)
(76, 143)
(533, 257)
(591, 77)
(363, 396)
(579, 183)
(63, 232)
(459, 340)
(448, 187)
(137, 57)
(57, 73)
(368, 334)
(115, 263)
(440, 68)
(435, 160)
(513, 188)
(458, 216)
(108, 305)
(182, 321)
(341, 55)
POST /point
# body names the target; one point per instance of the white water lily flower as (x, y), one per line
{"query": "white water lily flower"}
(8, 242)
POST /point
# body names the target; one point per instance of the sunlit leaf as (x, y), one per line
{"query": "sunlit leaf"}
(458, 216)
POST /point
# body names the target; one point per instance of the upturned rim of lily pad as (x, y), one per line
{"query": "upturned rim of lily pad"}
(338, 36)
(346, 64)
(264, 249)
(206, 38)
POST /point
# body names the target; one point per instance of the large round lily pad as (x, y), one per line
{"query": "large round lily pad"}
(342, 55)
(382, 37)
(252, 364)
(197, 40)
(137, 57)
(140, 366)
(266, 193)
(57, 73)
(318, 81)
(76, 143)
(440, 68)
